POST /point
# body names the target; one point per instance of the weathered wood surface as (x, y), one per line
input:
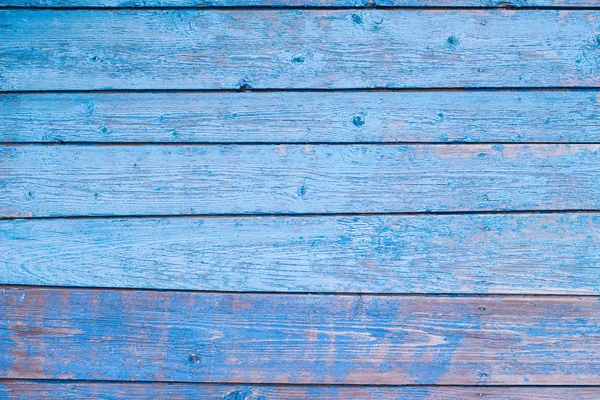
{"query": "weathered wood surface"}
(229, 49)
(266, 338)
(228, 344)
(297, 3)
(302, 117)
(126, 391)
(478, 3)
(208, 3)
(80, 180)
(551, 253)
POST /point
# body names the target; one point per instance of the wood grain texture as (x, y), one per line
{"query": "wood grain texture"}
(302, 117)
(296, 3)
(556, 254)
(180, 391)
(80, 180)
(484, 3)
(262, 338)
(221, 49)
(197, 3)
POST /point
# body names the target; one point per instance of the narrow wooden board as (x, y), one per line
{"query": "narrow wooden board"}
(199, 3)
(80, 180)
(231, 49)
(552, 253)
(265, 338)
(296, 3)
(302, 117)
(479, 3)
(133, 391)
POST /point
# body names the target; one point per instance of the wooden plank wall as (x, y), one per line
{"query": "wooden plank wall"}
(300, 199)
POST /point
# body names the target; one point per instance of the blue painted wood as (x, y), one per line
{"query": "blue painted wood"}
(296, 3)
(79, 180)
(187, 3)
(296, 117)
(190, 49)
(135, 391)
(231, 340)
(384, 254)
(207, 337)
(487, 3)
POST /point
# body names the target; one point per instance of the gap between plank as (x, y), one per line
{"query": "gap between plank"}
(112, 381)
(246, 89)
(192, 143)
(298, 293)
(319, 8)
(302, 215)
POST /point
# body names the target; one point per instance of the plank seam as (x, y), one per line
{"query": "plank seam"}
(186, 383)
(369, 6)
(299, 215)
(424, 295)
(175, 144)
(415, 89)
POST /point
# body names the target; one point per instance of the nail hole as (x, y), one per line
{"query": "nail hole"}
(452, 41)
(358, 121)
(301, 191)
(298, 60)
(357, 19)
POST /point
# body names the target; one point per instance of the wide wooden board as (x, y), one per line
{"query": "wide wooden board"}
(80, 180)
(135, 391)
(267, 338)
(302, 117)
(231, 49)
(552, 253)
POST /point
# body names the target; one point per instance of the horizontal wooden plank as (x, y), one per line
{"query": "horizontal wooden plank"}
(296, 3)
(80, 180)
(198, 3)
(225, 49)
(482, 3)
(262, 338)
(125, 391)
(384, 254)
(298, 117)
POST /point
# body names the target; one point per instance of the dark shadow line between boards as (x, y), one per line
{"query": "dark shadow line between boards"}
(247, 89)
(286, 384)
(5, 286)
(279, 143)
(368, 6)
(304, 215)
